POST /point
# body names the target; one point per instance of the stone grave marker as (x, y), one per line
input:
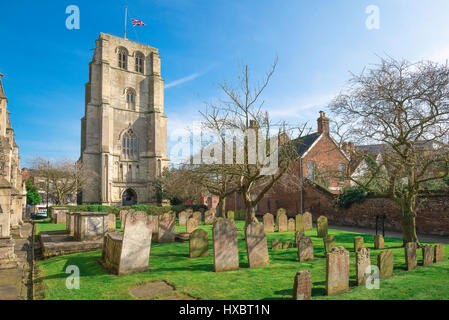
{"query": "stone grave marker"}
(256, 245)
(337, 271)
(226, 251)
(198, 244)
(302, 287)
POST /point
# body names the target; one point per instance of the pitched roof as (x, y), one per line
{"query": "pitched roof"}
(304, 143)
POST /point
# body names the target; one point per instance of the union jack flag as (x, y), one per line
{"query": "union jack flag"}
(138, 23)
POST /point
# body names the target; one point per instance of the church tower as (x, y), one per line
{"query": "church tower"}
(124, 128)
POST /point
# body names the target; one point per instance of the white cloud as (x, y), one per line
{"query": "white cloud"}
(183, 80)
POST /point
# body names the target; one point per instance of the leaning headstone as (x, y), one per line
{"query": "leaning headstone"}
(192, 225)
(337, 271)
(282, 222)
(439, 252)
(410, 255)
(291, 225)
(256, 245)
(329, 243)
(358, 243)
(302, 287)
(427, 254)
(299, 222)
(298, 235)
(226, 251)
(209, 217)
(230, 215)
(129, 252)
(268, 222)
(166, 228)
(379, 241)
(276, 244)
(307, 218)
(182, 218)
(198, 216)
(198, 244)
(59, 214)
(385, 261)
(362, 265)
(305, 249)
(321, 226)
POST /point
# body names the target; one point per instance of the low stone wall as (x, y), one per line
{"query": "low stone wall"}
(432, 213)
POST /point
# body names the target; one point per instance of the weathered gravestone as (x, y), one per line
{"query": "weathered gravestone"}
(329, 243)
(337, 271)
(299, 222)
(198, 216)
(182, 218)
(427, 254)
(358, 243)
(279, 211)
(123, 222)
(192, 225)
(307, 218)
(209, 217)
(362, 265)
(321, 226)
(166, 228)
(298, 235)
(305, 249)
(70, 223)
(198, 244)
(410, 255)
(282, 222)
(268, 222)
(129, 252)
(226, 251)
(291, 225)
(385, 261)
(379, 241)
(276, 244)
(439, 252)
(59, 214)
(112, 223)
(256, 245)
(286, 245)
(122, 215)
(90, 225)
(302, 287)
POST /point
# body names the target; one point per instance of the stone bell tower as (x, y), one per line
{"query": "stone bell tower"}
(124, 129)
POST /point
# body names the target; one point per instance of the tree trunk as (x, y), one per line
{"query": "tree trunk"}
(250, 214)
(409, 226)
(221, 207)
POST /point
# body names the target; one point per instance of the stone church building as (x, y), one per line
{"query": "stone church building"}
(124, 128)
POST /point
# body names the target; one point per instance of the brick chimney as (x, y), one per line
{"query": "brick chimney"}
(323, 123)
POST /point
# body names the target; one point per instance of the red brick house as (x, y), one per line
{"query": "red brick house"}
(321, 161)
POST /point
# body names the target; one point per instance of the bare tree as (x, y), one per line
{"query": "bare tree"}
(176, 183)
(62, 177)
(255, 149)
(403, 107)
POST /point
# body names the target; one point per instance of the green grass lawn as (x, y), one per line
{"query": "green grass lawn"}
(170, 262)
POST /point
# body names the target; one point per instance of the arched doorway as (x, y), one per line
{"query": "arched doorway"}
(129, 197)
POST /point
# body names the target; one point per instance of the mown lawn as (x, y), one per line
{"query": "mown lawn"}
(195, 277)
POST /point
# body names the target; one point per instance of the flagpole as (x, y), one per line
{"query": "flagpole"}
(126, 18)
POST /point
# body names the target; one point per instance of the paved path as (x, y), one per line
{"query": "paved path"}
(394, 234)
(13, 281)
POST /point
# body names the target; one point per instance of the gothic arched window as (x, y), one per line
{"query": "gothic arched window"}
(130, 99)
(129, 144)
(139, 62)
(122, 58)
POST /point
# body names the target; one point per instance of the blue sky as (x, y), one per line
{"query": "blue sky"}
(201, 43)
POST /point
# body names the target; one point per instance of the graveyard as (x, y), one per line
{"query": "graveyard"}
(189, 278)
